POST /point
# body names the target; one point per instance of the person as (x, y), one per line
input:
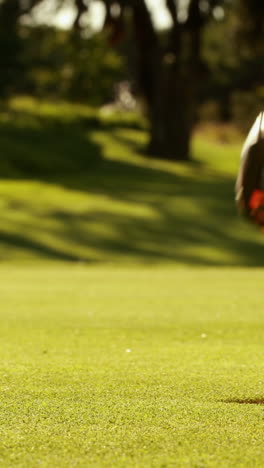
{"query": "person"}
(250, 180)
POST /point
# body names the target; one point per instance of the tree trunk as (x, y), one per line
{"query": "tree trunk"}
(172, 116)
(10, 46)
(172, 82)
(167, 74)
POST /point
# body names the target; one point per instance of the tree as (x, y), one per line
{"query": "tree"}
(171, 69)
(10, 44)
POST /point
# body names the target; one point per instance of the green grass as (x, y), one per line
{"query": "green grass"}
(75, 187)
(131, 293)
(189, 392)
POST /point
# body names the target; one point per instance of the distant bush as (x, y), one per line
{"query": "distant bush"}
(63, 64)
(246, 105)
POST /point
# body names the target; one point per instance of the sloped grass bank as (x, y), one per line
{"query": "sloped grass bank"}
(75, 187)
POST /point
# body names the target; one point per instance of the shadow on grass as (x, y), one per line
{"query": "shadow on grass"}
(150, 215)
(15, 240)
(249, 401)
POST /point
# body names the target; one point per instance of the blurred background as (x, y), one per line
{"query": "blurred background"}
(121, 123)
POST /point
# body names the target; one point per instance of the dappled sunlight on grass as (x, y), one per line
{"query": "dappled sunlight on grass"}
(76, 187)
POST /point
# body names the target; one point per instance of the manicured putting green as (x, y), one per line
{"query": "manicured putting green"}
(131, 366)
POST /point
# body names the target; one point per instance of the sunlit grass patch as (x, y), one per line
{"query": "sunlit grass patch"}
(72, 394)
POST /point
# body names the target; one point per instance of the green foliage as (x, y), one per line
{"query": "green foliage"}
(66, 65)
(83, 67)
(233, 90)
(246, 105)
